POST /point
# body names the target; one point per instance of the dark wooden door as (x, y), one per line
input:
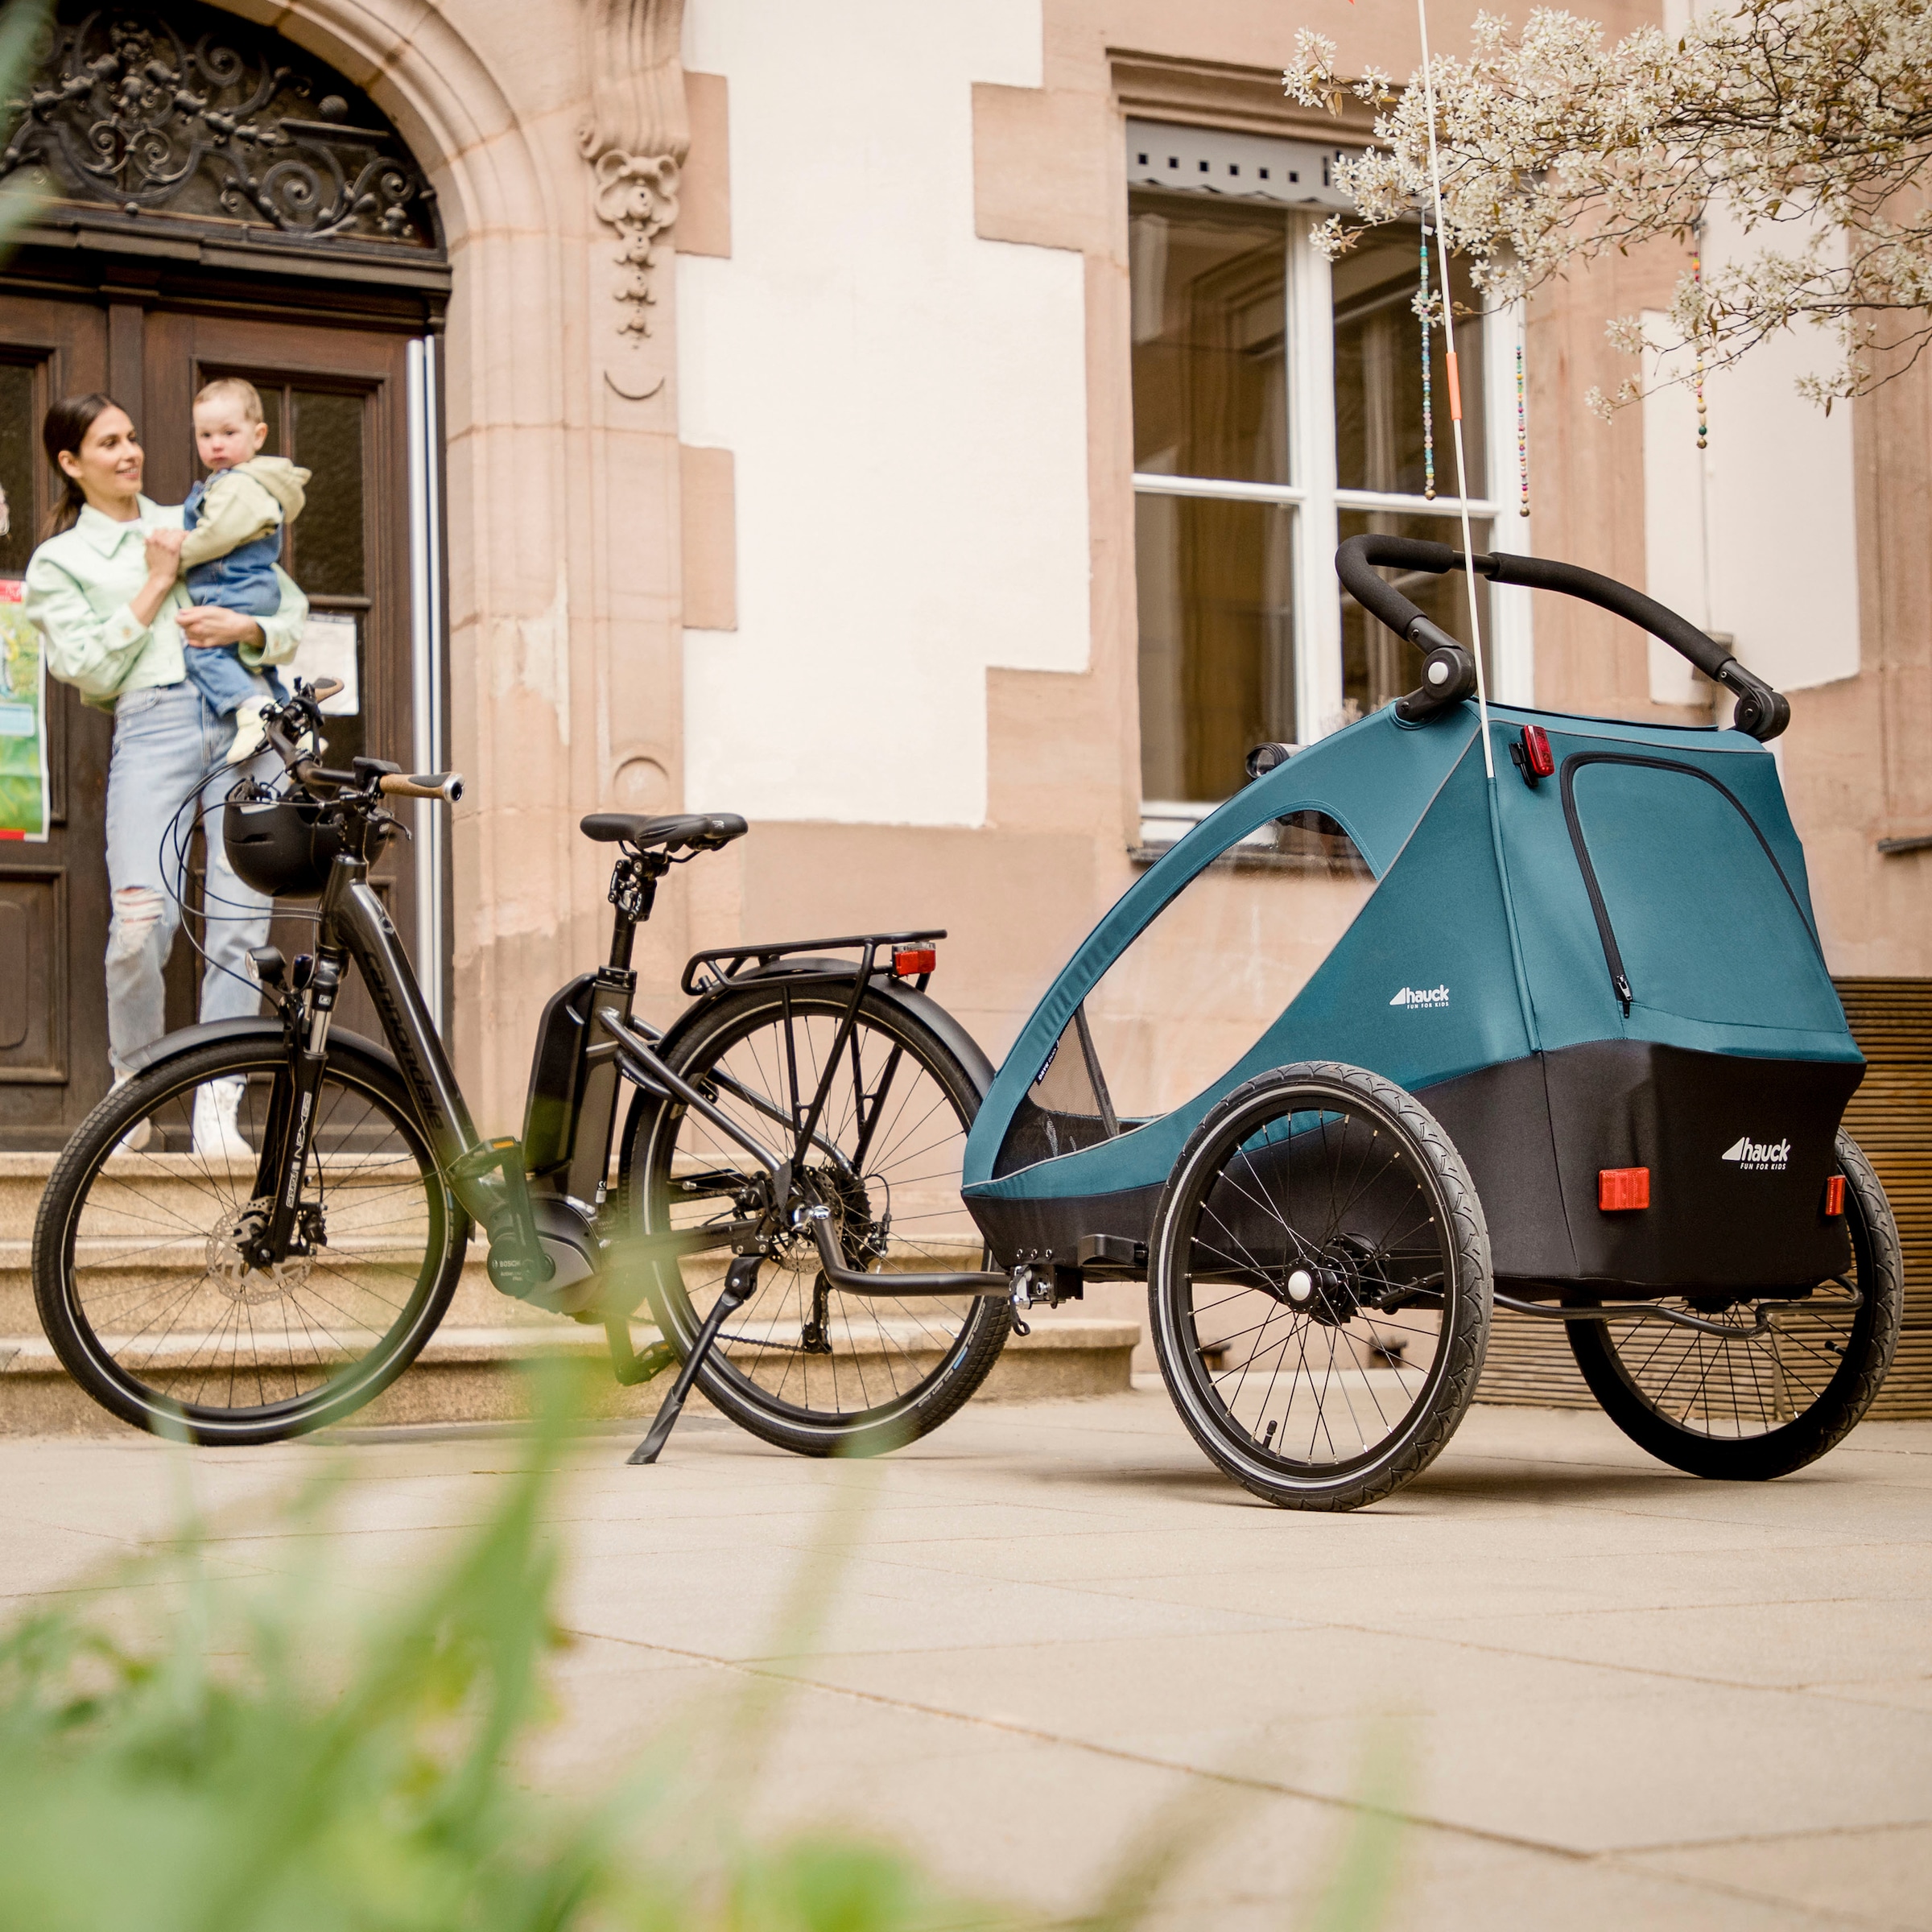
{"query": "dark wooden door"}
(53, 895)
(335, 400)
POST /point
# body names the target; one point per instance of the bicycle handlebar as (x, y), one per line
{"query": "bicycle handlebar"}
(1761, 711)
(445, 784)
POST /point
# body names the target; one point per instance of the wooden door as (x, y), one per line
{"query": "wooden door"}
(336, 401)
(53, 895)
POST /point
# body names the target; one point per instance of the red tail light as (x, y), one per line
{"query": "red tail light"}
(1620, 1189)
(910, 961)
(1538, 754)
(1834, 1197)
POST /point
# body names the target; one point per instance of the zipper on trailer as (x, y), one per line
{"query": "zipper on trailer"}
(1606, 932)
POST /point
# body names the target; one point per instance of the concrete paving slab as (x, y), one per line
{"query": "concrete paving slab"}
(1619, 1696)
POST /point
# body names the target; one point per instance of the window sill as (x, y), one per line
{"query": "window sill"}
(1246, 859)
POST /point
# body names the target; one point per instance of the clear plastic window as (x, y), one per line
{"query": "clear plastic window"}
(1211, 973)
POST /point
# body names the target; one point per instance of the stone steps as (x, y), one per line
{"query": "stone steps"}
(472, 1368)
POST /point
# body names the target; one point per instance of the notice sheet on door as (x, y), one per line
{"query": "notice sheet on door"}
(23, 721)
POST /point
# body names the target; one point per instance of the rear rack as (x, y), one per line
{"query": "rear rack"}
(723, 964)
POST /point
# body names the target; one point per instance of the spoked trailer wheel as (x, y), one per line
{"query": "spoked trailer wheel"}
(1318, 1285)
(1778, 1383)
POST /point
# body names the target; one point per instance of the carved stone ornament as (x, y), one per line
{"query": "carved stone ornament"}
(635, 140)
(189, 112)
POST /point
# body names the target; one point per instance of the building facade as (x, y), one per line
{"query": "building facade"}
(923, 430)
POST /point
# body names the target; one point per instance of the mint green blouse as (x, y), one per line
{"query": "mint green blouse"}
(79, 585)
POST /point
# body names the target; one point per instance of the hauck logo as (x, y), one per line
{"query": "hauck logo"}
(1759, 1157)
(1421, 996)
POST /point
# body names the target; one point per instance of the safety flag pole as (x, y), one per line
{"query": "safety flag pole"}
(1455, 393)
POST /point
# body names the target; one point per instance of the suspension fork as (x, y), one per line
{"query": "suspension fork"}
(291, 1109)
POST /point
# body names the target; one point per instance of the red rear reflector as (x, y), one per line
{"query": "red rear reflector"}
(1541, 761)
(1620, 1188)
(910, 960)
(1834, 1196)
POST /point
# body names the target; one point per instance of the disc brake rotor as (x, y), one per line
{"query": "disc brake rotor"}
(237, 1278)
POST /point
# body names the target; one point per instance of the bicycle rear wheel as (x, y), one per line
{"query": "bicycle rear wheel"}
(804, 1365)
(138, 1273)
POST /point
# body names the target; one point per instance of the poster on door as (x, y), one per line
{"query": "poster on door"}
(23, 721)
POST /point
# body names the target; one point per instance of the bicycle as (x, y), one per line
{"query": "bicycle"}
(792, 1141)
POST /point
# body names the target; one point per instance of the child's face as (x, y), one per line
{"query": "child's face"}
(224, 434)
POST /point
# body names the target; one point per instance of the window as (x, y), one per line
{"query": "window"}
(1277, 408)
(1208, 976)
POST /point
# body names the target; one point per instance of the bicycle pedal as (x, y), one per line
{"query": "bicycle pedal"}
(640, 1368)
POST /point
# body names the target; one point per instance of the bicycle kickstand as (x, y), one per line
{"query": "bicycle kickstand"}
(741, 1284)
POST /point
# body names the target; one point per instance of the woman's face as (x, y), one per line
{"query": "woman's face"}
(108, 464)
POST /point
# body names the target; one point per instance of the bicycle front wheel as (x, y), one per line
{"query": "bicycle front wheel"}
(139, 1273)
(804, 1365)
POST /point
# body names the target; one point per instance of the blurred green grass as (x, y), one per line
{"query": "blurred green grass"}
(180, 1752)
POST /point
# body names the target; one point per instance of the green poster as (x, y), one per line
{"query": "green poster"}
(22, 721)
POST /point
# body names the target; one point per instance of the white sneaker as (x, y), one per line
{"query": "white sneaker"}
(137, 1136)
(217, 1136)
(249, 733)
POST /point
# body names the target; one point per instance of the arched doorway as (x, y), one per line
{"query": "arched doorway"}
(216, 202)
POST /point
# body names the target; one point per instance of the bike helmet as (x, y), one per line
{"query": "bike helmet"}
(281, 846)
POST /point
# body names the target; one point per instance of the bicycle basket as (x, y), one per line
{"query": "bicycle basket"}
(282, 847)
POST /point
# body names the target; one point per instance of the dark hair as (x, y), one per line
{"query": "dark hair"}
(65, 429)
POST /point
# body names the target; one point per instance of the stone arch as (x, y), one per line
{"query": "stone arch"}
(556, 170)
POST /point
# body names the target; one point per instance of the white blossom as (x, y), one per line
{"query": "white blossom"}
(1809, 121)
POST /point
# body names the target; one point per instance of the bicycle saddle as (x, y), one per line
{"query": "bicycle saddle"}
(705, 832)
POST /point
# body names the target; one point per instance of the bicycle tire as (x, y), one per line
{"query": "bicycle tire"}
(1333, 1284)
(118, 1230)
(928, 1356)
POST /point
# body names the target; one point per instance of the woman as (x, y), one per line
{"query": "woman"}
(105, 590)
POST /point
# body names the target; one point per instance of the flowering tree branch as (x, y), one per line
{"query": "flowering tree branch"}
(1809, 121)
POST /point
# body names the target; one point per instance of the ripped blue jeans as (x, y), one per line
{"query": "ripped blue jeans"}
(166, 738)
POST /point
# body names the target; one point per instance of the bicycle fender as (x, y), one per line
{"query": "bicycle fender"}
(918, 1007)
(261, 1026)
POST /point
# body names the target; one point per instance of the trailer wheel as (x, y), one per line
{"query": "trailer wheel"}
(1318, 1286)
(1758, 1404)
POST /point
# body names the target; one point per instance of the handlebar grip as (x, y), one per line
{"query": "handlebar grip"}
(1761, 712)
(445, 784)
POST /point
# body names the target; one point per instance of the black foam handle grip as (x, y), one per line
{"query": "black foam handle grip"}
(1760, 711)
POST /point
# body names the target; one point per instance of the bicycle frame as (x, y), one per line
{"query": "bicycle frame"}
(488, 1177)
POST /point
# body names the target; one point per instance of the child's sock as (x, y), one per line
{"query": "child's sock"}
(248, 730)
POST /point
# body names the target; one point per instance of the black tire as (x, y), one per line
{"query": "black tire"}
(1318, 1226)
(875, 1373)
(146, 1298)
(1747, 1407)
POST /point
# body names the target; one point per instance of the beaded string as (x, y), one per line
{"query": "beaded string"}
(1703, 425)
(1423, 305)
(1522, 439)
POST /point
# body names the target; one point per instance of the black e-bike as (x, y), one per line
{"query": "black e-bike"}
(256, 1234)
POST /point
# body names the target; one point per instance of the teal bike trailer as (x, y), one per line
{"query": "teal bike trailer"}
(1577, 1055)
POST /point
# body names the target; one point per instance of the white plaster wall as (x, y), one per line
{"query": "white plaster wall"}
(1756, 535)
(905, 403)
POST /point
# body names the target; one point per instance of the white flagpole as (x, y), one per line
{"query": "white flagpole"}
(1455, 394)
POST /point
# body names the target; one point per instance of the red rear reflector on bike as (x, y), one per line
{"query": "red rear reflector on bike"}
(1541, 761)
(1619, 1189)
(1834, 1196)
(910, 960)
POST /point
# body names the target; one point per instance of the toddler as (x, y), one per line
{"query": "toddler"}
(234, 519)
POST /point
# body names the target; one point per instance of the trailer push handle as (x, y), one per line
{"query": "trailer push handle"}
(1449, 670)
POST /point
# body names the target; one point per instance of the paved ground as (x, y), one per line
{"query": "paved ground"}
(1616, 1696)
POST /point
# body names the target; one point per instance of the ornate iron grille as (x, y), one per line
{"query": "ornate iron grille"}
(193, 114)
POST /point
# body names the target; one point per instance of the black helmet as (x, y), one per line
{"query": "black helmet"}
(282, 847)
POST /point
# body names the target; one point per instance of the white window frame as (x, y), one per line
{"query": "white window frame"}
(1311, 492)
